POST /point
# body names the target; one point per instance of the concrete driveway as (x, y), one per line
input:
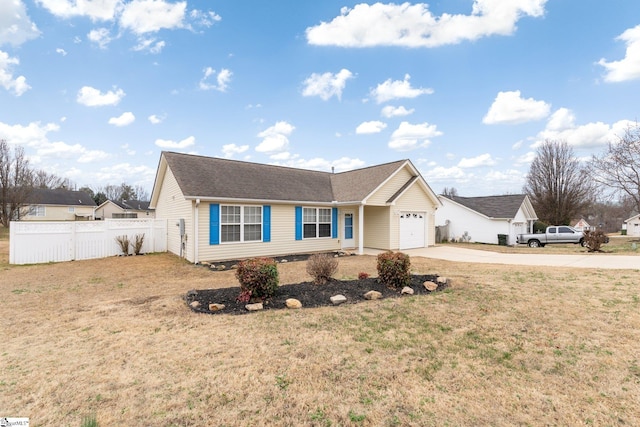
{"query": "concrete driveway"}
(594, 260)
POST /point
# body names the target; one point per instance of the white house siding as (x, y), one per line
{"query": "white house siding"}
(356, 221)
(633, 226)
(413, 200)
(172, 206)
(390, 188)
(481, 228)
(283, 238)
(376, 227)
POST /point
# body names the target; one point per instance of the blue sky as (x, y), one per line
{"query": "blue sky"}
(94, 90)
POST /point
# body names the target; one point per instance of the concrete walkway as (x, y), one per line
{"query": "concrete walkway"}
(594, 260)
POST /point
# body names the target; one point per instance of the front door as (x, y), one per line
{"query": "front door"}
(348, 240)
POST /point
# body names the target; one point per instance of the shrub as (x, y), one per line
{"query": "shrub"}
(137, 244)
(363, 276)
(593, 240)
(123, 243)
(321, 267)
(258, 278)
(393, 269)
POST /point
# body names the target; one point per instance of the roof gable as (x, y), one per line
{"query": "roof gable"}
(503, 207)
(216, 178)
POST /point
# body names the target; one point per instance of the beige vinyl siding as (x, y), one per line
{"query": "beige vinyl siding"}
(376, 227)
(60, 213)
(390, 188)
(108, 210)
(172, 206)
(415, 199)
(283, 238)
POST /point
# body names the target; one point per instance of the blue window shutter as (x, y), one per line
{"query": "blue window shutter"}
(214, 224)
(298, 222)
(334, 223)
(266, 223)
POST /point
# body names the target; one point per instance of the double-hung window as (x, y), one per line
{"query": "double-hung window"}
(240, 223)
(36, 210)
(316, 222)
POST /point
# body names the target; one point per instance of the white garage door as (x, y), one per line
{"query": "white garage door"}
(412, 226)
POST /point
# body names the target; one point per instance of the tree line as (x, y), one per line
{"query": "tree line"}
(19, 180)
(605, 188)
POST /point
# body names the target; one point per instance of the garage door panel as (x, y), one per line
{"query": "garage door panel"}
(412, 230)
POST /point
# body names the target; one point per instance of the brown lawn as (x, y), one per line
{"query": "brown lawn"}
(503, 345)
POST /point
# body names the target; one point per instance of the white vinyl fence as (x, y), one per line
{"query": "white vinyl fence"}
(32, 242)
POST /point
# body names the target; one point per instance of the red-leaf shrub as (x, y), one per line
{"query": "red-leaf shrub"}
(363, 276)
(258, 278)
(393, 269)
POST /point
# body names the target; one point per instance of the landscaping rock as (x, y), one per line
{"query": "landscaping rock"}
(430, 286)
(192, 294)
(216, 307)
(407, 291)
(254, 307)
(293, 303)
(195, 304)
(372, 295)
(338, 299)
(221, 267)
(442, 280)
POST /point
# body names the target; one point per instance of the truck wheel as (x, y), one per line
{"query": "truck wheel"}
(533, 244)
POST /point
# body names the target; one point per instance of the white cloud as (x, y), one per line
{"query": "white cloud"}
(154, 119)
(370, 127)
(394, 89)
(167, 143)
(391, 111)
(222, 79)
(229, 150)
(409, 137)
(15, 25)
(321, 164)
(149, 45)
(32, 134)
(526, 158)
(126, 172)
(511, 108)
(92, 97)
(562, 126)
(124, 119)
(95, 9)
(275, 138)
(61, 51)
(128, 150)
(474, 162)
(147, 16)
(100, 36)
(413, 25)
(206, 19)
(61, 149)
(326, 85)
(17, 85)
(629, 67)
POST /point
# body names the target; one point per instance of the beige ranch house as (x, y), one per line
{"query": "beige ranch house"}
(220, 209)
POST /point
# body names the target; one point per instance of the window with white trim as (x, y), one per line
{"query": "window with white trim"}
(240, 224)
(316, 222)
(36, 210)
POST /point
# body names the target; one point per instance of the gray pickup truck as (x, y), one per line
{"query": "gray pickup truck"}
(554, 234)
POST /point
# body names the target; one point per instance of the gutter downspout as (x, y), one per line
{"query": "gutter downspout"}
(196, 226)
(361, 229)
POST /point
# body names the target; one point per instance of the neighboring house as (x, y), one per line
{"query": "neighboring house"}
(58, 205)
(124, 209)
(582, 225)
(483, 218)
(220, 209)
(633, 226)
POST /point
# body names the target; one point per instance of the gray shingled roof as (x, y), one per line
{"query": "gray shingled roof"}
(45, 196)
(200, 176)
(492, 206)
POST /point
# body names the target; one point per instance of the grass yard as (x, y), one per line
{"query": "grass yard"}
(504, 345)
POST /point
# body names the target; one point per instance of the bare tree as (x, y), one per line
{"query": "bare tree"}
(44, 179)
(15, 182)
(557, 185)
(450, 192)
(618, 168)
